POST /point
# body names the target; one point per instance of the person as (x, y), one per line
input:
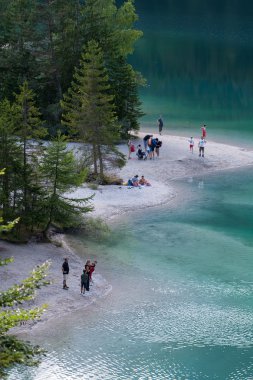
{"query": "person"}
(65, 272)
(141, 155)
(144, 182)
(158, 146)
(203, 129)
(160, 124)
(135, 180)
(85, 278)
(191, 142)
(145, 141)
(202, 143)
(92, 269)
(131, 148)
(152, 144)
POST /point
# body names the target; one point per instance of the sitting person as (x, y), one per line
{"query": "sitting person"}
(144, 182)
(135, 180)
(140, 154)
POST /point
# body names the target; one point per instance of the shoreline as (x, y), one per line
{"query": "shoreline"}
(111, 203)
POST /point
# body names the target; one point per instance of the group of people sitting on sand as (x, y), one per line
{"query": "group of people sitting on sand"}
(152, 147)
(136, 182)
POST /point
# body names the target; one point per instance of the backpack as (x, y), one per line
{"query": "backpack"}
(132, 148)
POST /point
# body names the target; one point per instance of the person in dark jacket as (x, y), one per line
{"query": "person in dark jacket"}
(145, 141)
(65, 272)
(85, 280)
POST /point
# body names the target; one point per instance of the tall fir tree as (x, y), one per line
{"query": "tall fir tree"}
(89, 111)
(10, 160)
(60, 174)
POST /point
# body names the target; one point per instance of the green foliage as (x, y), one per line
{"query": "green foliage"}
(59, 170)
(96, 229)
(42, 41)
(13, 351)
(89, 110)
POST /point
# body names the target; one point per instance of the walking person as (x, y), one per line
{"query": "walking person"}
(160, 124)
(65, 272)
(191, 142)
(202, 143)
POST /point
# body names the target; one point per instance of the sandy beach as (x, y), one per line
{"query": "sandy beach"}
(175, 162)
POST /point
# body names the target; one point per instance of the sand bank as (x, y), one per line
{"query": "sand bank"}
(175, 162)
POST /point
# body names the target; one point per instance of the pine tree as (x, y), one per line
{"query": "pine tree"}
(28, 127)
(125, 83)
(113, 28)
(60, 174)
(11, 160)
(89, 111)
(13, 351)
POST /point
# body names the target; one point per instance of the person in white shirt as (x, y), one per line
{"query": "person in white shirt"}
(191, 142)
(202, 143)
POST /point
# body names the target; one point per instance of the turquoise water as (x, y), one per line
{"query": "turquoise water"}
(182, 300)
(197, 57)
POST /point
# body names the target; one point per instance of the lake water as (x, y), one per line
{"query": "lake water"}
(197, 57)
(182, 300)
(181, 307)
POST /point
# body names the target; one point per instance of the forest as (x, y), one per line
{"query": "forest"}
(64, 76)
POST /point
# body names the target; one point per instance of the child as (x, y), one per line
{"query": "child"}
(202, 143)
(191, 142)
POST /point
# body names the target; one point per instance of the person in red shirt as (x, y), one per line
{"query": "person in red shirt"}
(92, 268)
(203, 129)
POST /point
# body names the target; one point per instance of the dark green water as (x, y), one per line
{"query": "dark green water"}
(197, 56)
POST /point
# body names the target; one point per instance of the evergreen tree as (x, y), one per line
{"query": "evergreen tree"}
(59, 171)
(28, 127)
(89, 110)
(11, 160)
(124, 82)
(13, 351)
(113, 29)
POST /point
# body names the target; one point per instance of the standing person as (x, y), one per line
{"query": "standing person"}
(85, 278)
(202, 143)
(92, 269)
(152, 145)
(203, 129)
(131, 148)
(145, 141)
(65, 272)
(160, 124)
(157, 148)
(191, 142)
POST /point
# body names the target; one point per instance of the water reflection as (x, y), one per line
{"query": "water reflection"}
(198, 59)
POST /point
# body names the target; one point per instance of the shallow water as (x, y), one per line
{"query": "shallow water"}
(181, 305)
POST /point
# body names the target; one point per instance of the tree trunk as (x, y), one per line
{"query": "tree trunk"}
(101, 164)
(94, 151)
